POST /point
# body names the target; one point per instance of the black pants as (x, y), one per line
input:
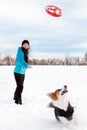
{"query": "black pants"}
(19, 78)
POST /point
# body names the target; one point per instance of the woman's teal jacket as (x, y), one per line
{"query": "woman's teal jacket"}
(21, 65)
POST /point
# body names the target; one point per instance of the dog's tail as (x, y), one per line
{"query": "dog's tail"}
(51, 105)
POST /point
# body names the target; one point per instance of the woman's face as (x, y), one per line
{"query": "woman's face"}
(25, 46)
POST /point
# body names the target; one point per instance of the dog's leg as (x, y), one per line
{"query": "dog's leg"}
(56, 115)
(75, 116)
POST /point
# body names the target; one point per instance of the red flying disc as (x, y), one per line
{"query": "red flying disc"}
(53, 10)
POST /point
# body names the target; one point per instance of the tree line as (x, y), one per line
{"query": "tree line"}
(8, 60)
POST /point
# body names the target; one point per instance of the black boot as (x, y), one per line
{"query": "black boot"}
(18, 100)
(14, 98)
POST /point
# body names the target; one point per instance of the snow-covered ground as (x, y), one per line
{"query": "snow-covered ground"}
(34, 113)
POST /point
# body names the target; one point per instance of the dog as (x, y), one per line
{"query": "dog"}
(63, 110)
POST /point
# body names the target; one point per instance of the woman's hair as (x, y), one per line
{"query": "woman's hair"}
(26, 51)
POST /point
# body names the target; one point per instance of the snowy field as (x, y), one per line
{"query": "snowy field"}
(34, 113)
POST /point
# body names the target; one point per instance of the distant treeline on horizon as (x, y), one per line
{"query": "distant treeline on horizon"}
(8, 60)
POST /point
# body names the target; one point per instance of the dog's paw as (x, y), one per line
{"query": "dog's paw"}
(50, 105)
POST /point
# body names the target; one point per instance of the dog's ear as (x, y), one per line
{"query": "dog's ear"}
(53, 96)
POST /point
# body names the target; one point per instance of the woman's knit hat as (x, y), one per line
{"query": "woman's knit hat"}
(25, 41)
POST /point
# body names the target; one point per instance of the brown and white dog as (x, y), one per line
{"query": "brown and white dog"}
(63, 110)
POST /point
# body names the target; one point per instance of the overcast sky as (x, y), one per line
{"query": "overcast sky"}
(48, 36)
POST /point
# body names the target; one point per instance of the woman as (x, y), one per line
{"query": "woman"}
(20, 69)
